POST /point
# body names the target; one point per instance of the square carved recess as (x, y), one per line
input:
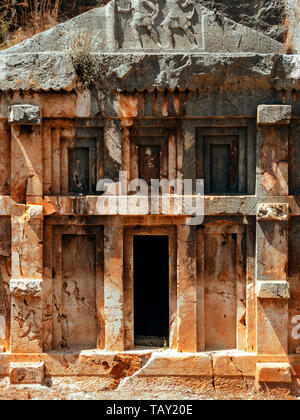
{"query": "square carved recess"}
(222, 160)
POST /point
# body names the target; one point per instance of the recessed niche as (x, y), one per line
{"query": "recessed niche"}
(221, 160)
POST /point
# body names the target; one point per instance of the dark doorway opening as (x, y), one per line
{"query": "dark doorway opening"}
(151, 290)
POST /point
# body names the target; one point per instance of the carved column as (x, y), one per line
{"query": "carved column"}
(27, 229)
(112, 149)
(272, 289)
(186, 289)
(113, 287)
(189, 151)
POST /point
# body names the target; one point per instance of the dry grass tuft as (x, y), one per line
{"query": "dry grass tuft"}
(22, 19)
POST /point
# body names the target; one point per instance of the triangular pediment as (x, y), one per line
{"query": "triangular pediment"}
(153, 26)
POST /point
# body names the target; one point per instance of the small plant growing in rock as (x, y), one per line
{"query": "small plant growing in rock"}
(79, 46)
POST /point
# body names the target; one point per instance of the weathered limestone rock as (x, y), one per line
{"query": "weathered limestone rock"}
(113, 289)
(274, 211)
(26, 373)
(192, 19)
(159, 90)
(266, 16)
(186, 274)
(273, 372)
(27, 274)
(272, 175)
(272, 232)
(274, 114)
(24, 114)
(26, 162)
(272, 289)
(26, 287)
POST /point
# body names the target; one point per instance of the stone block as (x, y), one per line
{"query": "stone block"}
(26, 287)
(273, 373)
(272, 326)
(274, 114)
(34, 212)
(272, 211)
(269, 289)
(26, 373)
(24, 114)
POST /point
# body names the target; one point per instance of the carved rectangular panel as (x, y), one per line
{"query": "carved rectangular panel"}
(222, 160)
(78, 166)
(79, 170)
(78, 287)
(220, 166)
(79, 320)
(221, 287)
(149, 163)
(220, 292)
(153, 153)
(74, 161)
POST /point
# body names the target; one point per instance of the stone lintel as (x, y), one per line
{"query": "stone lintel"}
(273, 372)
(213, 205)
(274, 114)
(26, 287)
(272, 211)
(272, 289)
(26, 373)
(24, 114)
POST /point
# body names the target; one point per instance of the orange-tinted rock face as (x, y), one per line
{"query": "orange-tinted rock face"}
(67, 271)
(67, 276)
(112, 287)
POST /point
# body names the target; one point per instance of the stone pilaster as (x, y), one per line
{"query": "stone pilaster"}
(26, 281)
(112, 149)
(113, 287)
(272, 150)
(27, 229)
(26, 153)
(186, 289)
(189, 152)
(272, 289)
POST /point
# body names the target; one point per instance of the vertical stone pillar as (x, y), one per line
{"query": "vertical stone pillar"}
(26, 282)
(27, 229)
(113, 287)
(186, 289)
(112, 149)
(26, 153)
(189, 152)
(272, 289)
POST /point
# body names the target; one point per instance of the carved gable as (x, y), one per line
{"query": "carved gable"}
(153, 26)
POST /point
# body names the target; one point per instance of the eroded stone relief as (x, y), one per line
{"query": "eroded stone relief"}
(142, 18)
(160, 24)
(178, 19)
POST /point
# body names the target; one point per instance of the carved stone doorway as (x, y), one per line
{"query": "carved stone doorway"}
(151, 290)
